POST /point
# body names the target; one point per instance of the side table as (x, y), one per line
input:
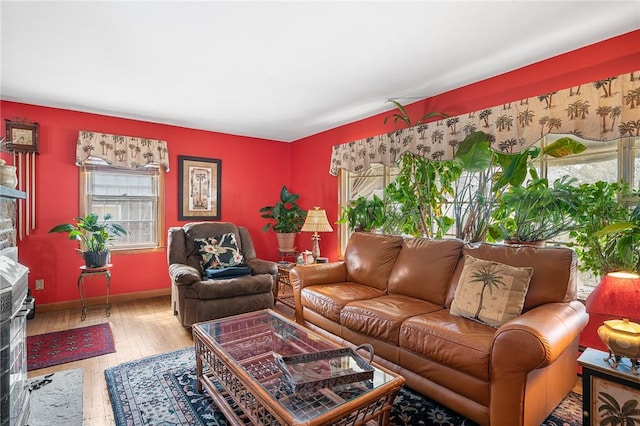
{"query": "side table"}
(605, 390)
(284, 282)
(88, 272)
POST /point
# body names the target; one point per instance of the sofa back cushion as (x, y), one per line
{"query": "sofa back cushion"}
(554, 270)
(369, 258)
(424, 268)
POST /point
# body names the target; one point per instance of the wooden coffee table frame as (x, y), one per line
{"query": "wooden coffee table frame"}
(243, 400)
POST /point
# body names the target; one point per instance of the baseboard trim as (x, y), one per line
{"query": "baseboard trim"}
(113, 298)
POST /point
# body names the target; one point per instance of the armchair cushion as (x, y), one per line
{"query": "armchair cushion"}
(219, 252)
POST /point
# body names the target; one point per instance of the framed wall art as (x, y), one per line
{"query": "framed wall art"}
(22, 136)
(199, 188)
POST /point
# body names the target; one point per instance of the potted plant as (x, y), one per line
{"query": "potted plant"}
(364, 214)
(607, 237)
(94, 236)
(624, 238)
(287, 217)
(535, 213)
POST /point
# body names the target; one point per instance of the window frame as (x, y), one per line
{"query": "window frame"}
(84, 201)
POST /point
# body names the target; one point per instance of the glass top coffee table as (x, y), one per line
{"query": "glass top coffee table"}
(235, 363)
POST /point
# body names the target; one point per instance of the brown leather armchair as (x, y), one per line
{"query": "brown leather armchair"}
(196, 298)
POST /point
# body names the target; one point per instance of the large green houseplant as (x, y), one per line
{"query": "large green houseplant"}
(287, 218)
(364, 214)
(536, 212)
(607, 237)
(94, 235)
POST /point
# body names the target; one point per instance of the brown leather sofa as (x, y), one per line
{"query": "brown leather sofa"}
(395, 293)
(196, 298)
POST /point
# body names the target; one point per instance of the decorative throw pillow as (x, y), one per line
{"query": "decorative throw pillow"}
(490, 292)
(219, 252)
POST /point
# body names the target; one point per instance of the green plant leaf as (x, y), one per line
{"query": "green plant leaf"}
(563, 147)
(475, 152)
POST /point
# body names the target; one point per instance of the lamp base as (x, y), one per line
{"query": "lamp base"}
(315, 251)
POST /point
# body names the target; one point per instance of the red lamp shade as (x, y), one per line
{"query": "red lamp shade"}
(616, 297)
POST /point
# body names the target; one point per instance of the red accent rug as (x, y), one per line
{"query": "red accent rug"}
(45, 350)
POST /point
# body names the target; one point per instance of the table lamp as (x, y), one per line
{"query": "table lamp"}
(614, 302)
(315, 222)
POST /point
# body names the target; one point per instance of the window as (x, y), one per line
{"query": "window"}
(133, 198)
(607, 161)
(356, 185)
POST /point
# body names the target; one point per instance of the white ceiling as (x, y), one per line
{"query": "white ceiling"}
(278, 70)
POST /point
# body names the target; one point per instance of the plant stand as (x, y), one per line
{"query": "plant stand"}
(87, 272)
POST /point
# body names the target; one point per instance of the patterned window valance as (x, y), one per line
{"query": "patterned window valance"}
(602, 110)
(121, 151)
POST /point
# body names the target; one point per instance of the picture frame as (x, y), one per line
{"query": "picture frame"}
(21, 136)
(199, 183)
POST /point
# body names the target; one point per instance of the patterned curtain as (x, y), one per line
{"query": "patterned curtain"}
(602, 110)
(121, 151)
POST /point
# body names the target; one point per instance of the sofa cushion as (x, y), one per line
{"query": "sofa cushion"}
(490, 292)
(369, 258)
(424, 268)
(329, 299)
(381, 317)
(554, 269)
(452, 341)
(219, 252)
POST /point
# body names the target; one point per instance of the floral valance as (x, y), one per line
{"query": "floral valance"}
(602, 110)
(121, 151)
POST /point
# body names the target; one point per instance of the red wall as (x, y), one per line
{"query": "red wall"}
(253, 170)
(311, 156)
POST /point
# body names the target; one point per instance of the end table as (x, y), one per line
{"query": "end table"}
(88, 272)
(605, 389)
(283, 280)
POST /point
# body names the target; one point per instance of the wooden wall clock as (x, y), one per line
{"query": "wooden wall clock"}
(22, 136)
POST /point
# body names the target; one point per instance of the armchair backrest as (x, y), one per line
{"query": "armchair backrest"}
(181, 247)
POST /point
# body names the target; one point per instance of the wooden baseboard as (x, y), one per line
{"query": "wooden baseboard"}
(114, 298)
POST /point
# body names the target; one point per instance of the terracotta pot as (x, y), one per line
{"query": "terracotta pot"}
(286, 241)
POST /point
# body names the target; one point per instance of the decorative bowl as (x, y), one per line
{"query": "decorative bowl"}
(622, 338)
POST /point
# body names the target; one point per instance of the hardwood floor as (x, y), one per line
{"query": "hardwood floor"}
(140, 328)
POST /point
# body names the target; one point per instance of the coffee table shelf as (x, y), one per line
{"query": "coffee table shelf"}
(235, 363)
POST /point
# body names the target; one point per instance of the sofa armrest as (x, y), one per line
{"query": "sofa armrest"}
(534, 340)
(318, 273)
(182, 274)
(260, 266)
(538, 336)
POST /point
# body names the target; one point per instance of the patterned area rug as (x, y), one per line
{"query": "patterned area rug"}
(45, 350)
(162, 390)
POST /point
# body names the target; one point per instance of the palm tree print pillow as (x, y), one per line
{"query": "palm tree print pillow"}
(219, 252)
(490, 292)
